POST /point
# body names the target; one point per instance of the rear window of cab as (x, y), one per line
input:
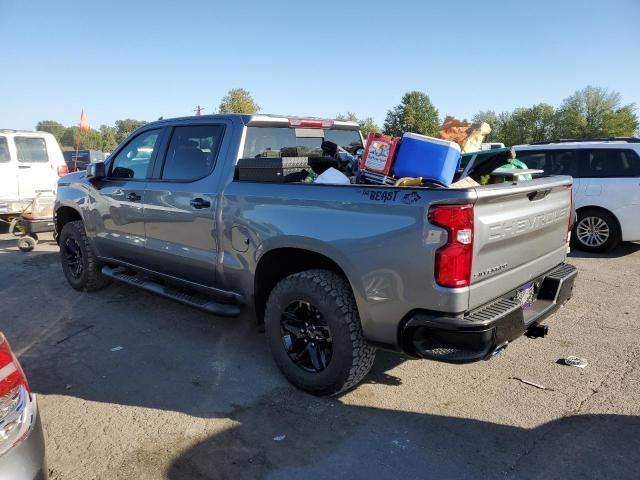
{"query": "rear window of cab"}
(261, 142)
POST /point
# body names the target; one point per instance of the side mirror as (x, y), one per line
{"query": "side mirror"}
(96, 171)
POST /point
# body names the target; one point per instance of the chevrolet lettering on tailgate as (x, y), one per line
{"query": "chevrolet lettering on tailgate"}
(519, 226)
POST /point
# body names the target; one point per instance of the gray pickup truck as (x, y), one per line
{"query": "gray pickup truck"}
(332, 272)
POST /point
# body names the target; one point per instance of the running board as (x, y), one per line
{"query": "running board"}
(196, 300)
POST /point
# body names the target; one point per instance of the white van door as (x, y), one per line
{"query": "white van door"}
(611, 179)
(35, 173)
(8, 172)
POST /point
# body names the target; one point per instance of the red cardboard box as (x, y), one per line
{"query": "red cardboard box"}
(379, 153)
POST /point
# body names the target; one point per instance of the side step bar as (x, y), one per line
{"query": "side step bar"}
(196, 300)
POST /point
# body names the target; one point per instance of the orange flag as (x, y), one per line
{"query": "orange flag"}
(84, 121)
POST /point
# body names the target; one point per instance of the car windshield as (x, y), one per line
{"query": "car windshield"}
(296, 142)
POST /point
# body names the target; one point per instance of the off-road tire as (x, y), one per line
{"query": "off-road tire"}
(352, 357)
(91, 278)
(614, 231)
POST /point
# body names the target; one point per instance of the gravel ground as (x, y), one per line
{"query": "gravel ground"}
(191, 396)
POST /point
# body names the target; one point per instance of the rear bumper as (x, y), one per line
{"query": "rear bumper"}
(486, 330)
(26, 461)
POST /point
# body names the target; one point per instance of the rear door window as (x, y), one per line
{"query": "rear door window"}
(261, 142)
(536, 159)
(609, 163)
(564, 162)
(4, 150)
(192, 152)
(553, 162)
(31, 150)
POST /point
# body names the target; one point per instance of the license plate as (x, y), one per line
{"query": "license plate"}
(525, 296)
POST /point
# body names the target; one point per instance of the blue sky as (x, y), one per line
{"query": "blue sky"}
(145, 59)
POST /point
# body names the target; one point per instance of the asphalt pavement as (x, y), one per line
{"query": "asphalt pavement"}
(134, 386)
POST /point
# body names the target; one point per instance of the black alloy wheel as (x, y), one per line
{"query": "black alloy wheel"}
(306, 336)
(73, 255)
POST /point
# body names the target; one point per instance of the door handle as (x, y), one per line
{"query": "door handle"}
(200, 203)
(24, 166)
(133, 197)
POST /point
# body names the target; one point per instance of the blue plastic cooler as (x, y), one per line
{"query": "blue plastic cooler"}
(421, 156)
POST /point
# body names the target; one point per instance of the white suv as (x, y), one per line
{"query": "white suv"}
(30, 164)
(606, 188)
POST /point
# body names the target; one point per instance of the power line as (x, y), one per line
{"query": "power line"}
(198, 110)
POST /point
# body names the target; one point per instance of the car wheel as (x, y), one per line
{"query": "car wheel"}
(79, 263)
(314, 332)
(595, 231)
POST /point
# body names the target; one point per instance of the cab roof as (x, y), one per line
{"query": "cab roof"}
(264, 119)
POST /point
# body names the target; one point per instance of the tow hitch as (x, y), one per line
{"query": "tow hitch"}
(537, 331)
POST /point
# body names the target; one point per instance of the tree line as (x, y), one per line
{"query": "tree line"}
(592, 112)
(106, 138)
(589, 113)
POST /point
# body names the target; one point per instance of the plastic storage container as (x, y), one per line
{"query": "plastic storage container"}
(432, 158)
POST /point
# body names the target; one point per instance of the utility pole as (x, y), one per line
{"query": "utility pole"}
(198, 110)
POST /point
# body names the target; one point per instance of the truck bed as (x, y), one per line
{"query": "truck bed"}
(382, 239)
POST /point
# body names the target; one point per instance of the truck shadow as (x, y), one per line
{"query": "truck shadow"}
(125, 346)
(292, 436)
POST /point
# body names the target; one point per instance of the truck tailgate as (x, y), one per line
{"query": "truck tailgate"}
(520, 232)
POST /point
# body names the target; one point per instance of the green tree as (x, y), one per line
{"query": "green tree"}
(108, 138)
(349, 117)
(595, 112)
(528, 125)
(238, 100)
(367, 124)
(125, 127)
(55, 128)
(69, 137)
(415, 113)
(622, 123)
(523, 125)
(88, 140)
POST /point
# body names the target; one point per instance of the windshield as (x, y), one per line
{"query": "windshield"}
(296, 142)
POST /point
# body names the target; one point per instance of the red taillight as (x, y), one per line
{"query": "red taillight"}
(310, 123)
(11, 374)
(63, 170)
(453, 260)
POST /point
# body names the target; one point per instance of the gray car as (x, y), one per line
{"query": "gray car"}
(22, 452)
(198, 210)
